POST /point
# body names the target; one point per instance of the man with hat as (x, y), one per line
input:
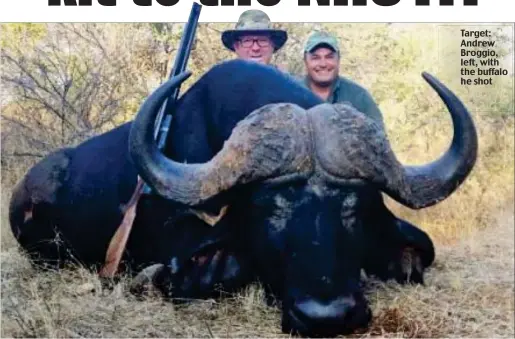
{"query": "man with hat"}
(322, 62)
(254, 38)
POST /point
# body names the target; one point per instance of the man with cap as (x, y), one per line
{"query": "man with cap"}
(254, 38)
(322, 62)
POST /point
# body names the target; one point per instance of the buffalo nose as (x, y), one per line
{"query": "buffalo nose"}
(316, 318)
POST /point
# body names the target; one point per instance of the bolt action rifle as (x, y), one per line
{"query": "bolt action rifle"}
(161, 127)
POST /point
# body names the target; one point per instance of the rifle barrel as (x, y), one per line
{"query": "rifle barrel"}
(164, 118)
(181, 60)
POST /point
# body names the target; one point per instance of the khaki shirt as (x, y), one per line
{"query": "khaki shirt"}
(347, 90)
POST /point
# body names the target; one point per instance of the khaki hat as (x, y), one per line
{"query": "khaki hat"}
(254, 22)
(321, 38)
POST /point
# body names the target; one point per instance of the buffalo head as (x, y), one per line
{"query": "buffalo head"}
(308, 176)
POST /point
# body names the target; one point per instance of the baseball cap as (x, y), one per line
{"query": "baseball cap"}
(321, 38)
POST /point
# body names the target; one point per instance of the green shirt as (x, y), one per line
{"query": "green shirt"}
(347, 90)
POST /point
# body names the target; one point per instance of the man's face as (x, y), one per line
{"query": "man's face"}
(258, 48)
(322, 66)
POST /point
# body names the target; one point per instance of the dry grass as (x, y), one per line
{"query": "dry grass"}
(469, 293)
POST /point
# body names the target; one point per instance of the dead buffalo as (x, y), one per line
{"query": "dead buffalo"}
(295, 184)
